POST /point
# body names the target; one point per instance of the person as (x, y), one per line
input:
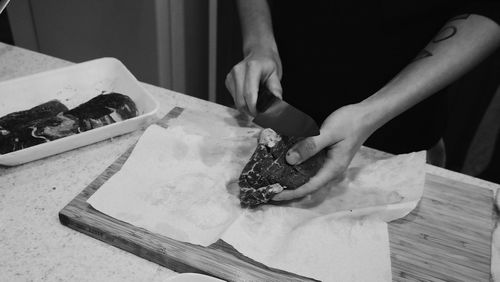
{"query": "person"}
(372, 73)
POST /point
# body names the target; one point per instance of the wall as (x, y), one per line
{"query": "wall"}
(162, 42)
(81, 30)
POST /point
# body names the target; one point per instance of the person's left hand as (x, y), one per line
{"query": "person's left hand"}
(341, 134)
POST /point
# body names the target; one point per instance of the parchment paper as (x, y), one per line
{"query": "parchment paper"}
(326, 248)
(175, 184)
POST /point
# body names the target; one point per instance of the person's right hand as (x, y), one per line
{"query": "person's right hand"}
(259, 66)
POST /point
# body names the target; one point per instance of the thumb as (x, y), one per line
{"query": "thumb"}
(274, 85)
(304, 149)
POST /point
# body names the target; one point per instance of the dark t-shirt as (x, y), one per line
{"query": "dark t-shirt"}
(340, 52)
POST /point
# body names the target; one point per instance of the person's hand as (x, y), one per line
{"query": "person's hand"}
(341, 134)
(261, 65)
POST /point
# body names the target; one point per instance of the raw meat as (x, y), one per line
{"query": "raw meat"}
(268, 173)
(103, 110)
(15, 120)
(53, 120)
(14, 127)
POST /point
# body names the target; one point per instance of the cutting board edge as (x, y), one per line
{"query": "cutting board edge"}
(99, 234)
(75, 216)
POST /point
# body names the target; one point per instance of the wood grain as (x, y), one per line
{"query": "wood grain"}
(446, 238)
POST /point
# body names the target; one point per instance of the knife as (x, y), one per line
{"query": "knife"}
(3, 4)
(274, 113)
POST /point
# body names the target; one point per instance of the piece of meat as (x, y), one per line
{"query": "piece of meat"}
(268, 173)
(39, 131)
(14, 127)
(15, 120)
(104, 109)
(44, 125)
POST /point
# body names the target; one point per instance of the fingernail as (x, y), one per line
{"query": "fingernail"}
(292, 157)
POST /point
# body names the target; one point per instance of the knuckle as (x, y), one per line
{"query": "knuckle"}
(250, 64)
(239, 67)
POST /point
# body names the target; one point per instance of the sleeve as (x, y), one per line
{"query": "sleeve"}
(489, 9)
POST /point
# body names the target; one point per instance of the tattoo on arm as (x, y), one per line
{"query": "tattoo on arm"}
(422, 55)
(445, 33)
(449, 30)
(460, 17)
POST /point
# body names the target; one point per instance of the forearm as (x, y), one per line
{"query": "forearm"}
(460, 45)
(256, 25)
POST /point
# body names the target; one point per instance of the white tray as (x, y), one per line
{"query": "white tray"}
(73, 86)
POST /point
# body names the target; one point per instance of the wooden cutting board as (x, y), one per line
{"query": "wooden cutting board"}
(446, 238)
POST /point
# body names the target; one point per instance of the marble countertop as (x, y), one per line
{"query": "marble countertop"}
(34, 245)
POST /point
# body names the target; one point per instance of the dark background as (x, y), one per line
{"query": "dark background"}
(5, 33)
(469, 98)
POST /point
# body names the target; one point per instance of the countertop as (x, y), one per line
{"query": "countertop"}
(34, 246)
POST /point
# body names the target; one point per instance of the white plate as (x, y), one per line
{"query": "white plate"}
(75, 85)
(193, 277)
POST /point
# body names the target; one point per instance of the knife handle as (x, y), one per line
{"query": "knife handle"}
(265, 98)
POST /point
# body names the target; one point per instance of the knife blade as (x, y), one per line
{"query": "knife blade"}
(3, 4)
(274, 113)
